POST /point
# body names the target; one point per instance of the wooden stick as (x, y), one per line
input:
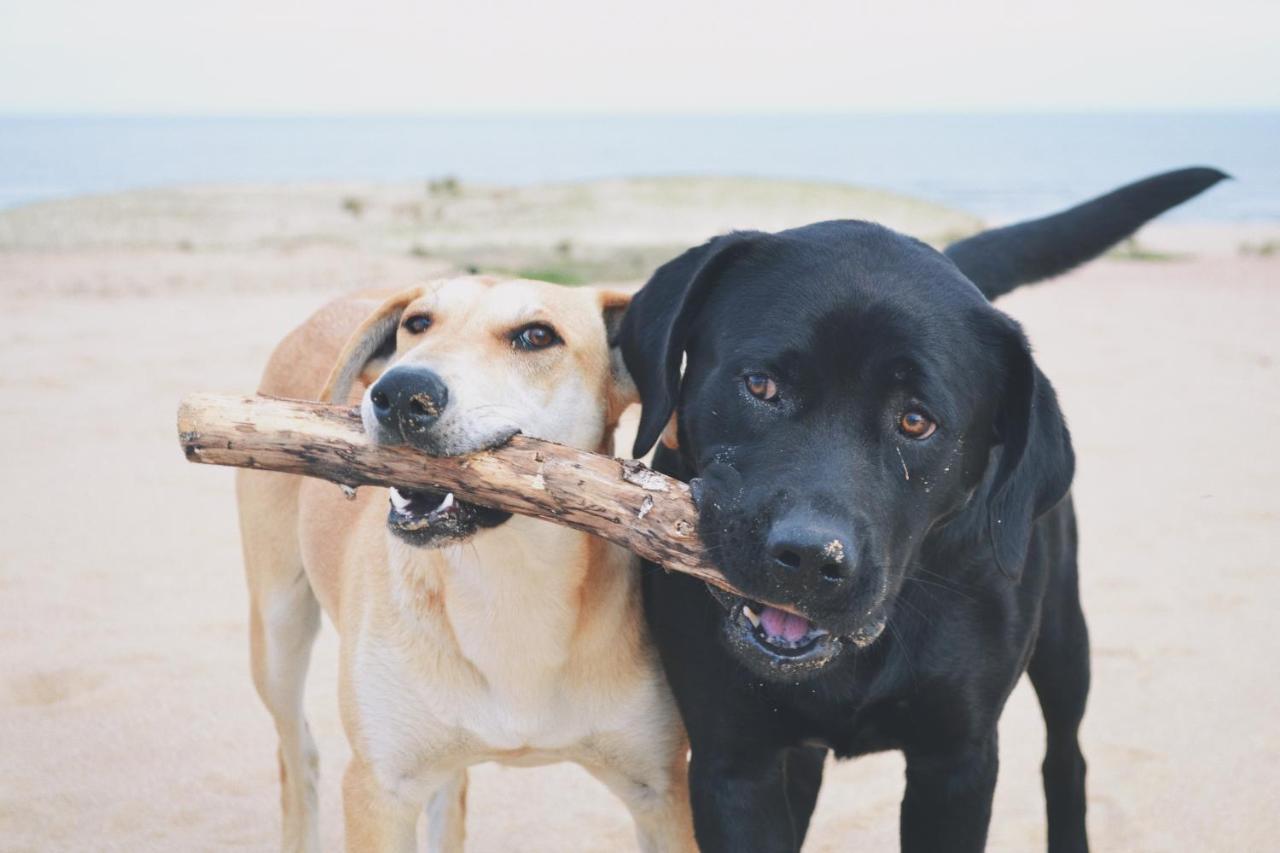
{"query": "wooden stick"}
(624, 502)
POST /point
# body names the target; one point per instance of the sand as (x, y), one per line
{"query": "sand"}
(127, 717)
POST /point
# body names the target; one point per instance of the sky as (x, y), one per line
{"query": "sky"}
(249, 57)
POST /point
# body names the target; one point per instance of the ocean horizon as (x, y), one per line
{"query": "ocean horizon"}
(999, 166)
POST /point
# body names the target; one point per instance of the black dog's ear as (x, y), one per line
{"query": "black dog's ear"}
(1036, 460)
(655, 328)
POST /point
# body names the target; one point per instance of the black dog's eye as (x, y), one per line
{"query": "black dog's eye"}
(535, 336)
(916, 424)
(417, 324)
(761, 386)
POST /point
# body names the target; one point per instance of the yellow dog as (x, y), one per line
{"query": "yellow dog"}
(467, 635)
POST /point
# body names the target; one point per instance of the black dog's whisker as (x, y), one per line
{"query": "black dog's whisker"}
(948, 583)
(925, 582)
(904, 600)
(904, 646)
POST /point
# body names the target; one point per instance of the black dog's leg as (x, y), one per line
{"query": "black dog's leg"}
(1059, 671)
(740, 803)
(947, 806)
(804, 780)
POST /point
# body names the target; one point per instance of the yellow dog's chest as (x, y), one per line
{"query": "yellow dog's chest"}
(414, 723)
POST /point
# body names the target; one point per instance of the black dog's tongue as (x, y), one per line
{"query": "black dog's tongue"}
(780, 624)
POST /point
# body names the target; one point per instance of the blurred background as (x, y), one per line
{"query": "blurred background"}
(181, 184)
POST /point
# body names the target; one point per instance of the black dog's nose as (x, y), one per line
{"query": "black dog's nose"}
(810, 549)
(407, 401)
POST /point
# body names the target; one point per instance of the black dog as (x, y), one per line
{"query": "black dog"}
(871, 447)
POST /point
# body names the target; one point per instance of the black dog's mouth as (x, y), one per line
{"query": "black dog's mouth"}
(774, 641)
(430, 519)
(779, 631)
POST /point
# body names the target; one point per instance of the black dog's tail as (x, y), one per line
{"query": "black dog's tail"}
(1001, 259)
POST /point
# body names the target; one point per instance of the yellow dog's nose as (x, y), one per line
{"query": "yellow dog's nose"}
(407, 401)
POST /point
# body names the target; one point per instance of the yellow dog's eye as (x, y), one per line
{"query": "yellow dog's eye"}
(761, 386)
(535, 336)
(417, 324)
(916, 424)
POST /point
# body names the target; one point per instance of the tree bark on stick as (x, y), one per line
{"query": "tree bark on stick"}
(622, 501)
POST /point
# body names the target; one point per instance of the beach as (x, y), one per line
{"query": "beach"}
(128, 720)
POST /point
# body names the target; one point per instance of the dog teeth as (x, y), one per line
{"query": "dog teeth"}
(399, 501)
(751, 615)
(445, 504)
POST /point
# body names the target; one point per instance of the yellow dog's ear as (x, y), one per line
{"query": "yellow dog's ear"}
(376, 335)
(622, 390)
(671, 433)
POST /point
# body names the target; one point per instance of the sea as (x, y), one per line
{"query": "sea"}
(999, 166)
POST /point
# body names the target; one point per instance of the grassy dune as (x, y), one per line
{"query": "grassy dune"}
(571, 232)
